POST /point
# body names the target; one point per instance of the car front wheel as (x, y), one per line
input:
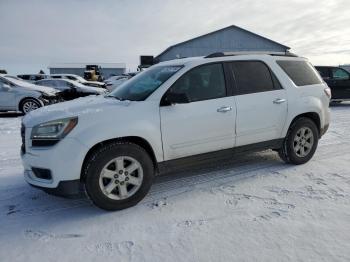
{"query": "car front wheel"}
(118, 175)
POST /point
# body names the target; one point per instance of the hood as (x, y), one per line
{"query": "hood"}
(43, 89)
(87, 107)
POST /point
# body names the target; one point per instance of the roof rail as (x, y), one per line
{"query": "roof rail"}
(222, 54)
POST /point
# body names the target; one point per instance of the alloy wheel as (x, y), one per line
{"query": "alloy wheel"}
(303, 142)
(121, 177)
(29, 106)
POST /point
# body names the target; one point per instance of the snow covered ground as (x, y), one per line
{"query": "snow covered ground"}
(249, 208)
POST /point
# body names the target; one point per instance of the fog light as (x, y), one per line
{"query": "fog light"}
(42, 173)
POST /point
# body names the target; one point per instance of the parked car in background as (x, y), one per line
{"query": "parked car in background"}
(18, 95)
(177, 112)
(32, 77)
(115, 81)
(71, 89)
(78, 79)
(338, 80)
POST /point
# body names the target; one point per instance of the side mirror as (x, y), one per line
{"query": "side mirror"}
(174, 98)
(7, 87)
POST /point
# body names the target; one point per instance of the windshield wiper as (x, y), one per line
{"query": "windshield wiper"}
(115, 97)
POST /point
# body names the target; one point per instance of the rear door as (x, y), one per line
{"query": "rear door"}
(207, 122)
(340, 83)
(261, 103)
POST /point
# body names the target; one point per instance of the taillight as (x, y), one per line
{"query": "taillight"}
(328, 92)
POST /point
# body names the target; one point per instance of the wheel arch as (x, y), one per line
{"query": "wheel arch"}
(28, 98)
(315, 117)
(131, 139)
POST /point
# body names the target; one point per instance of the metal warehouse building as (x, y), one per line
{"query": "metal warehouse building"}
(232, 38)
(108, 69)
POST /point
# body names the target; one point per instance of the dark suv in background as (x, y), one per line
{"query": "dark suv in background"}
(338, 80)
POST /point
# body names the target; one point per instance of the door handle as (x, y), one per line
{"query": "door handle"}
(224, 109)
(279, 101)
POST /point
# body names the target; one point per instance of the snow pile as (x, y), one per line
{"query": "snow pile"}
(250, 208)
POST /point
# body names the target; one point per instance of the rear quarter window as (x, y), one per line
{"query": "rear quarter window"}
(302, 73)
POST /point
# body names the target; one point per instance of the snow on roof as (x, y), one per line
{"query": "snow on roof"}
(82, 65)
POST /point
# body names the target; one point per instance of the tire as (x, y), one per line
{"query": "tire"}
(107, 182)
(29, 105)
(298, 148)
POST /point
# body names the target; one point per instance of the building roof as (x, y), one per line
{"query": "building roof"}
(223, 29)
(82, 65)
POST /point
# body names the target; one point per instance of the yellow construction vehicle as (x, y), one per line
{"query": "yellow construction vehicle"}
(93, 73)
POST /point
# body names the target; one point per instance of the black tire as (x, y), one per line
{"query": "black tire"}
(28, 100)
(287, 152)
(100, 158)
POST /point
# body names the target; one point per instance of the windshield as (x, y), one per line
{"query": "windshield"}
(141, 86)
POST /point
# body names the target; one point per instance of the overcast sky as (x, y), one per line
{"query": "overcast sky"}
(35, 33)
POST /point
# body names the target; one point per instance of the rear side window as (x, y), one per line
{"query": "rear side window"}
(302, 73)
(47, 83)
(24, 77)
(253, 77)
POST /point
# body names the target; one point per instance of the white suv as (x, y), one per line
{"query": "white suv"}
(184, 109)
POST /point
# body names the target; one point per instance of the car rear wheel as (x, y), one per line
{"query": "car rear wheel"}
(300, 143)
(29, 105)
(118, 176)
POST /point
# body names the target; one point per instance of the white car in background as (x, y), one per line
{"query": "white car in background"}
(19, 95)
(79, 79)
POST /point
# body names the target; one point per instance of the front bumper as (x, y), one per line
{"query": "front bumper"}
(324, 130)
(64, 160)
(64, 188)
(50, 100)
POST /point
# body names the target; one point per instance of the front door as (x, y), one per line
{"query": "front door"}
(204, 124)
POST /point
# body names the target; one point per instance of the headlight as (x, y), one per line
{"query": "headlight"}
(54, 130)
